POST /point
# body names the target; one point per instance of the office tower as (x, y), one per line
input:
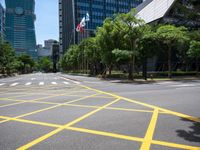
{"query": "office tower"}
(72, 11)
(19, 26)
(2, 22)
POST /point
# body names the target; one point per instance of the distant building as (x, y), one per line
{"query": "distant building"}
(2, 22)
(43, 51)
(71, 13)
(19, 26)
(48, 43)
(46, 51)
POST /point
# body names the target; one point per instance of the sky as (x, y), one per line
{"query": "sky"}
(46, 24)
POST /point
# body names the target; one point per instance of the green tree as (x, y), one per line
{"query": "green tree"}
(71, 59)
(107, 43)
(26, 63)
(194, 52)
(147, 48)
(170, 36)
(45, 64)
(130, 31)
(7, 59)
(91, 52)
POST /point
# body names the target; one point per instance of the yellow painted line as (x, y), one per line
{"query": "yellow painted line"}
(168, 111)
(91, 113)
(24, 101)
(134, 110)
(108, 134)
(149, 134)
(86, 106)
(42, 138)
(12, 100)
(48, 108)
(11, 104)
(174, 145)
(93, 95)
(147, 105)
(31, 101)
(31, 122)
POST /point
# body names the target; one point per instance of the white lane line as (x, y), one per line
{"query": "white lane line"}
(33, 78)
(28, 83)
(66, 83)
(14, 84)
(67, 79)
(183, 85)
(76, 82)
(41, 83)
(2, 84)
(54, 83)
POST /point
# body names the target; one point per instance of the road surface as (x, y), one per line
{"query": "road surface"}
(63, 112)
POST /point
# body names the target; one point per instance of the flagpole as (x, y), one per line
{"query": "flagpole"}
(74, 26)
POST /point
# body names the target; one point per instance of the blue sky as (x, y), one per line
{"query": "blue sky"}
(46, 24)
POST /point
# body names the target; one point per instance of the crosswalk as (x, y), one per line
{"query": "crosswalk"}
(175, 84)
(41, 83)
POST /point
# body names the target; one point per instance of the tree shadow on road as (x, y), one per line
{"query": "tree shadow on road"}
(193, 134)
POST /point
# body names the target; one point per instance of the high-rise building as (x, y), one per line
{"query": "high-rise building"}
(2, 22)
(72, 11)
(19, 26)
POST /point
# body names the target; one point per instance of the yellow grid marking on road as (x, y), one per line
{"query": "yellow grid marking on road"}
(48, 108)
(166, 110)
(146, 105)
(144, 140)
(125, 109)
(23, 101)
(86, 106)
(102, 133)
(31, 122)
(175, 145)
(150, 131)
(40, 139)
(11, 104)
(108, 134)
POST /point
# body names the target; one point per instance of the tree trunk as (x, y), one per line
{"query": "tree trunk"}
(144, 72)
(131, 68)
(197, 65)
(169, 62)
(110, 70)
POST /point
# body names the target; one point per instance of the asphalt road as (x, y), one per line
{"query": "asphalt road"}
(63, 112)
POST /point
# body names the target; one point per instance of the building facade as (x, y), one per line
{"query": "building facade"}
(46, 51)
(177, 12)
(43, 51)
(2, 22)
(19, 26)
(72, 11)
(48, 43)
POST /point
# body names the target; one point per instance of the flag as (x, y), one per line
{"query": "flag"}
(87, 18)
(82, 24)
(79, 28)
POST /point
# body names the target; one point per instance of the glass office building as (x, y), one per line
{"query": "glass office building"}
(19, 26)
(2, 22)
(72, 11)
